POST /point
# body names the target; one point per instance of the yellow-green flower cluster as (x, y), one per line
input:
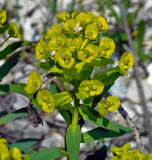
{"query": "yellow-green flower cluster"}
(12, 153)
(126, 62)
(78, 40)
(71, 45)
(89, 88)
(125, 153)
(75, 42)
(13, 29)
(110, 104)
(44, 97)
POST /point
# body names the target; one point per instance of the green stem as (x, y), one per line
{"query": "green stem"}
(84, 44)
(5, 41)
(75, 116)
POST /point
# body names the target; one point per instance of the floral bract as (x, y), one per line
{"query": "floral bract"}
(3, 16)
(126, 61)
(64, 57)
(45, 98)
(13, 30)
(33, 83)
(111, 104)
(15, 153)
(106, 47)
(41, 50)
(90, 88)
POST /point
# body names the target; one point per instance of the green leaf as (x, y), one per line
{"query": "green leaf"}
(62, 98)
(15, 88)
(8, 65)
(73, 139)
(4, 88)
(25, 144)
(46, 65)
(67, 107)
(14, 115)
(99, 133)
(11, 48)
(53, 88)
(102, 61)
(49, 154)
(66, 115)
(109, 77)
(94, 117)
(85, 72)
(3, 28)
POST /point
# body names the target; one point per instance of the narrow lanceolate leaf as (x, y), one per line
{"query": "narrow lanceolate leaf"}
(11, 48)
(49, 154)
(25, 144)
(99, 133)
(94, 117)
(8, 65)
(73, 140)
(14, 115)
(15, 88)
(62, 98)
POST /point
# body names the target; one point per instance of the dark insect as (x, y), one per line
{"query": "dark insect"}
(34, 116)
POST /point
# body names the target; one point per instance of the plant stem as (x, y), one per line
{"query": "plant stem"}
(5, 41)
(75, 116)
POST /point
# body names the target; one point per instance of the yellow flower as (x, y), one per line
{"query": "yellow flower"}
(13, 30)
(149, 157)
(111, 104)
(89, 88)
(92, 16)
(127, 156)
(3, 140)
(55, 29)
(91, 31)
(126, 61)
(73, 14)
(64, 57)
(41, 50)
(136, 154)
(120, 151)
(69, 25)
(115, 158)
(56, 42)
(63, 16)
(80, 65)
(66, 16)
(3, 16)
(33, 83)
(106, 47)
(74, 44)
(89, 53)
(45, 98)
(101, 23)
(83, 19)
(4, 153)
(15, 153)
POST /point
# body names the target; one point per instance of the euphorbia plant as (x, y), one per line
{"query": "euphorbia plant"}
(71, 51)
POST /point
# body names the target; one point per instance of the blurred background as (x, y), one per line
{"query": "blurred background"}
(130, 24)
